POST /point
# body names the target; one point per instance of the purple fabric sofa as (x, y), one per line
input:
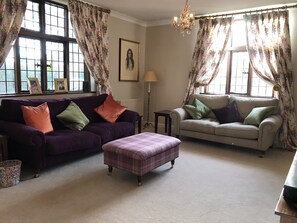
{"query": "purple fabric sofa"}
(42, 150)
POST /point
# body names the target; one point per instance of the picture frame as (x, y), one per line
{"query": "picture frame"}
(61, 85)
(33, 85)
(128, 60)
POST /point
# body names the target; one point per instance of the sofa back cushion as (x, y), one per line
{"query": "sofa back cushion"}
(38, 117)
(88, 104)
(228, 113)
(11, 109)
(72, 117)
(211, 101)
(246, 104)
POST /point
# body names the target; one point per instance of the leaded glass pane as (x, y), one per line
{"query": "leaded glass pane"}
(76, 68)
(31, 18)
(30, 59)
(54, 21)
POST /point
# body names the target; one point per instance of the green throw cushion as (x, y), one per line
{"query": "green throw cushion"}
(197, 110)
(258, 114)
(72, 117)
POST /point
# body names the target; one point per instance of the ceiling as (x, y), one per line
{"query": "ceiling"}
(157, 10)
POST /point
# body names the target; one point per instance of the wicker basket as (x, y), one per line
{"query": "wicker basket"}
(10, 171)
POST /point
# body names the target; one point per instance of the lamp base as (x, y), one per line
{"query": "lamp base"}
(147, 125)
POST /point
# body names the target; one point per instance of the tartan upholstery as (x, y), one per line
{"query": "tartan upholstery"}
(141, 153)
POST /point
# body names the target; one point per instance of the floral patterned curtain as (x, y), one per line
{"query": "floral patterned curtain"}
(210, 49)
(90, 27)
(269, 48)
(11, 17)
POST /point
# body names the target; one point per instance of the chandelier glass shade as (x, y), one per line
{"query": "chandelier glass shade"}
(186, 20)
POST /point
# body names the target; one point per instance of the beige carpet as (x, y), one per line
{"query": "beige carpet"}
(209, 183)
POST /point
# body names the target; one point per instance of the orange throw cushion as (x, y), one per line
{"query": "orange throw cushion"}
(38, 117)
(110, 110)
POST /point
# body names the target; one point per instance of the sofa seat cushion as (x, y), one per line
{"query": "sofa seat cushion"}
(206, 125)
(67, 140)
(111, 131)
(237, 130)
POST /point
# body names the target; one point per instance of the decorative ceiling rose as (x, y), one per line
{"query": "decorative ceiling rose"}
(186, 20)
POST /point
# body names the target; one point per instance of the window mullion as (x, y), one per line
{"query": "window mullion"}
(66, 61)
(17, 66)
(66, 22)
(42, 17)
(43, 66)
(249, 89)
(43, 48)
(228, 79)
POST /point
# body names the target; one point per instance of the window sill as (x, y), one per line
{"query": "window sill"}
(48, 95)
(239, 95)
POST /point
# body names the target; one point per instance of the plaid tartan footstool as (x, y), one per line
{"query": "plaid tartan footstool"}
(141, 153)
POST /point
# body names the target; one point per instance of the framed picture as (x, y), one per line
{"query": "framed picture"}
(61, 85)
(129, 60)
(34, 86)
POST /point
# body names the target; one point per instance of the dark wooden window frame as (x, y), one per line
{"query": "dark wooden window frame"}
(229, 73)
(40, 35)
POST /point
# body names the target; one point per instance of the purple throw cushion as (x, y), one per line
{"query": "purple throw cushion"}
(228, 113)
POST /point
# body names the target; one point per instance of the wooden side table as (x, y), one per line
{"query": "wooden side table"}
(287, 214)
(166, 114)
(3, 147)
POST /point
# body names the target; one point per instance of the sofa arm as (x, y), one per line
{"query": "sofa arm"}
(22, 133)
(128, 116)
(177, 115)
(268, 129)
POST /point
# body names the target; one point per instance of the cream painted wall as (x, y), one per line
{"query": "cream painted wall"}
(169, 54)
(117, 29)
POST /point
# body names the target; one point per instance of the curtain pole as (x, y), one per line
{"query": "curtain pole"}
(245, 12)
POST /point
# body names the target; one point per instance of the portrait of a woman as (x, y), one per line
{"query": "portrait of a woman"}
(129, 60)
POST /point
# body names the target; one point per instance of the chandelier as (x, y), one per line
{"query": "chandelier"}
(186, 20)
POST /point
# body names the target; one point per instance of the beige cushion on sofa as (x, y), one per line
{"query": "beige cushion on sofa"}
(237, 130)
(245, 104)
(206, 125)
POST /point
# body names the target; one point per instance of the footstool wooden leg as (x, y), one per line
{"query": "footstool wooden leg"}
(109, 170)
(139, 180)
(172, 163)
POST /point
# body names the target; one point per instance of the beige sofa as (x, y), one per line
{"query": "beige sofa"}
(236, 133)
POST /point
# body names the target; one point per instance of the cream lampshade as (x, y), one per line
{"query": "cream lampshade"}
(150, 76)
